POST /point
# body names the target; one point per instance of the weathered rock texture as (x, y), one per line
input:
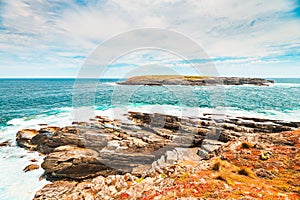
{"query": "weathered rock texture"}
(193, 80)
(238, 173)
(81, 155)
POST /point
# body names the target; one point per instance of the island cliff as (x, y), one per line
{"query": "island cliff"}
(157, 80)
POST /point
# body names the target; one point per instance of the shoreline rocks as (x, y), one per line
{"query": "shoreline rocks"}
(31, 167)
(149, 146)
(24, 138)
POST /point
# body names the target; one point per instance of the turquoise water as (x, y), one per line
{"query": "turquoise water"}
(25, 103)
(27, 98)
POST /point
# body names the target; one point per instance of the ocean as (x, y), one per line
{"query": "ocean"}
(25, 103)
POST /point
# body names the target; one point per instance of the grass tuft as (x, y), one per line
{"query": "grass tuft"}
(246, 172)
(247, 145)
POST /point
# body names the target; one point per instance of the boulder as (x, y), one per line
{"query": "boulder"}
(24, 138)
(210, 148)
(5, 143)
(31, 167)
(74, 163)
(263, 173)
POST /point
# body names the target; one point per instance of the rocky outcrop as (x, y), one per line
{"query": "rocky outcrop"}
(151, 143)
(74, 163)
(238, 168)
(24, 138)
(157, 80)
(107, 159)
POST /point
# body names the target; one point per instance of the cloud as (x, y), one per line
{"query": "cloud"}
(60, 34)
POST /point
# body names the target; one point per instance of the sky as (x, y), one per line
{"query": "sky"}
(53, 38)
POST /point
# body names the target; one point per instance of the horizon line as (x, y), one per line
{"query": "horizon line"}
(119, 77)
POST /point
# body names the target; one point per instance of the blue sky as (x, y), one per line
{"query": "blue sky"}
(52, 38)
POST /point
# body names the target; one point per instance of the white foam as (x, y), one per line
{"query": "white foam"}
(287, 84)
(119, 113)
(109, 83)
(16, 184)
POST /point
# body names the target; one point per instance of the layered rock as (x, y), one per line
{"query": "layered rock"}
(109, 159)
(74, 163)
(103, 146)
(24, 138)
(157, 80)
(237, 173)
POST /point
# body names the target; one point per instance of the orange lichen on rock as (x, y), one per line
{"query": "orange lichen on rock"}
(241, 173)
(238, 172)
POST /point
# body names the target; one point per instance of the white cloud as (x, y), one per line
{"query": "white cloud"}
(54, 32)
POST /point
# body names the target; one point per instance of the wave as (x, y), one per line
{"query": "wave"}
(109, 83)
(119, 113)
(287, 84)
(16, 184)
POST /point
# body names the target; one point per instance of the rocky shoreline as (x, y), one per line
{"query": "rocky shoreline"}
(152, 155)
(159, 80)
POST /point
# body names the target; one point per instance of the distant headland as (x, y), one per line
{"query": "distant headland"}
(158, 80)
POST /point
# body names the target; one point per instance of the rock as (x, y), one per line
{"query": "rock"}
(33, 160)
(172, 157)
(94, 155)
(31, 167)
(43, 124)
(209, 148)
(24, 138)
(5, 143)
(50, 138)
(263, 173)
(75, 163)
(57, 190)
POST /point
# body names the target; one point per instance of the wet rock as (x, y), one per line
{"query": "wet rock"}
(5, 143)
(31, 167)
(43, 124)
(24, 138)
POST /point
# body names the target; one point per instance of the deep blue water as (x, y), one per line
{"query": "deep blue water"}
(30, 97)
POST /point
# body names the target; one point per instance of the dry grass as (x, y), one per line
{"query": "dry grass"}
(234, 178)
(247, 145)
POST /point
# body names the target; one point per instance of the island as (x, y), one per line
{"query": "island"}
(158, 80)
